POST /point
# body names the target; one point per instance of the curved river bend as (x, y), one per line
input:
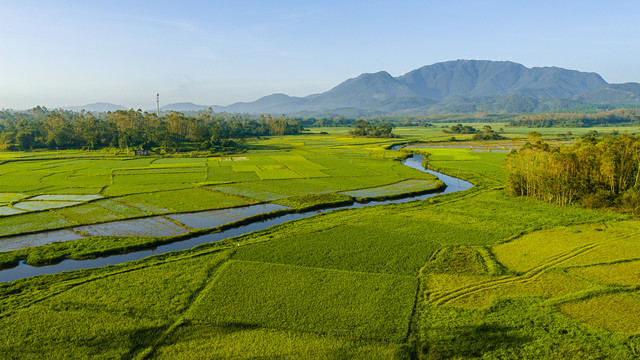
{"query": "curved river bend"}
(23, 270)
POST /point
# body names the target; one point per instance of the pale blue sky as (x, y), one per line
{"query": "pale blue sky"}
(59, 53)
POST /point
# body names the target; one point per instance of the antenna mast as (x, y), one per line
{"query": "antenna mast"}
(158, 102)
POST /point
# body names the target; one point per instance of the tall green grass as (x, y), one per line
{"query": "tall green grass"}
(349, 304)
(112, 316)
(197, 340)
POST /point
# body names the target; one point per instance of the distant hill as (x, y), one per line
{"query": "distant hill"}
(96, 107)
(452, 86)
(183, 106)
(628, 93)
(460, 86)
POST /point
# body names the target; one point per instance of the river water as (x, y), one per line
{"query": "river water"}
(24, 270)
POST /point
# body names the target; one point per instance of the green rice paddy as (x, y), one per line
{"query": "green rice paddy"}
(404, 187)
(477, 274)
(308, 300)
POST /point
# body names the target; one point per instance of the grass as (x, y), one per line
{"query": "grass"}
(147, 227)
(63, 197)
(7, 210)
(87, 214)
(477, 274)
(119, 209)
(43, 205)
(615, 312)
(315, 201)
(512, 329)
(483, 167)
(84, 332)
(353, 305)
(108, 317)
(469, 260)
(574, 246)
(400, 239)
(137, 186)
(30, 222)
(401, 188)
(622, 273)
(469, 291)
(140, 205)
(192, 199)
(236, 342)
(8, 198)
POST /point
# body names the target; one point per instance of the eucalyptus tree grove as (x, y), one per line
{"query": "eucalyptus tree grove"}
(42, 128)
(594, 172)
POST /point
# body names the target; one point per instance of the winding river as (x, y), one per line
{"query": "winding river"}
(23, 270)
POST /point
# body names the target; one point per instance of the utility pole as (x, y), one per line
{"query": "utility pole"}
(158, 102)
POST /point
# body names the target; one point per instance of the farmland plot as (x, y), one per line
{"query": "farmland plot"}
(469, 275)
(355, 305)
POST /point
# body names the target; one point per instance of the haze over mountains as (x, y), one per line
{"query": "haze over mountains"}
(460, 86)
(96, 107)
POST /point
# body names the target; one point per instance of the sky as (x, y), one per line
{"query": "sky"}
(64, 53)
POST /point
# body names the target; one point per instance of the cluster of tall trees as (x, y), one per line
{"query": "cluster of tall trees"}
(578, 119)
(339, 121)
(594, 172)
(366, 129)
(41, 128)
(487, 133)
(461, 129)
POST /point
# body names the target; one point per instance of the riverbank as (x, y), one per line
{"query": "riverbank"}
(83, 253)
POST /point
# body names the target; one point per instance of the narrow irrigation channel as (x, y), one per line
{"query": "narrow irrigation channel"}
(23, 270)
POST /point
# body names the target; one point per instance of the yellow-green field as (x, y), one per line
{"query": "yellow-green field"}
(473, 274)
(75, 188)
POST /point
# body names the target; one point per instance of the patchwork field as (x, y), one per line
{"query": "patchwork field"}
(474, 274)
(78, 188)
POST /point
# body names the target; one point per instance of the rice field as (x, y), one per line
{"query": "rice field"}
(617, 273)
(43, 205)
(87, 214)
(8, 198)
(215, 218)
(349, 304)
(148, 227)
(8, 210)
(62, 197)
(476, 274)
(584, 270)
(614, 312)
(192, 199)
(128, 187)
(109, 317)
(23, 241)
(264, 343)
(404, 187)
(31, 222)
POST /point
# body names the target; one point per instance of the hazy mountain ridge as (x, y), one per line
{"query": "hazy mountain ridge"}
(183, 106)
(460, 86)
(95, 107)
(454, 86)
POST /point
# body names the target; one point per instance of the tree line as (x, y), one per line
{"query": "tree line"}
(595, 172)
(575, 119)
(487, 133)
(40, 128)
(366, 129)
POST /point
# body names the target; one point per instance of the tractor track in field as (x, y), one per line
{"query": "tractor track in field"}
(446, 297)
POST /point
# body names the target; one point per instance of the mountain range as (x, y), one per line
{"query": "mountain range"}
(460, 86)
(95, 107)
